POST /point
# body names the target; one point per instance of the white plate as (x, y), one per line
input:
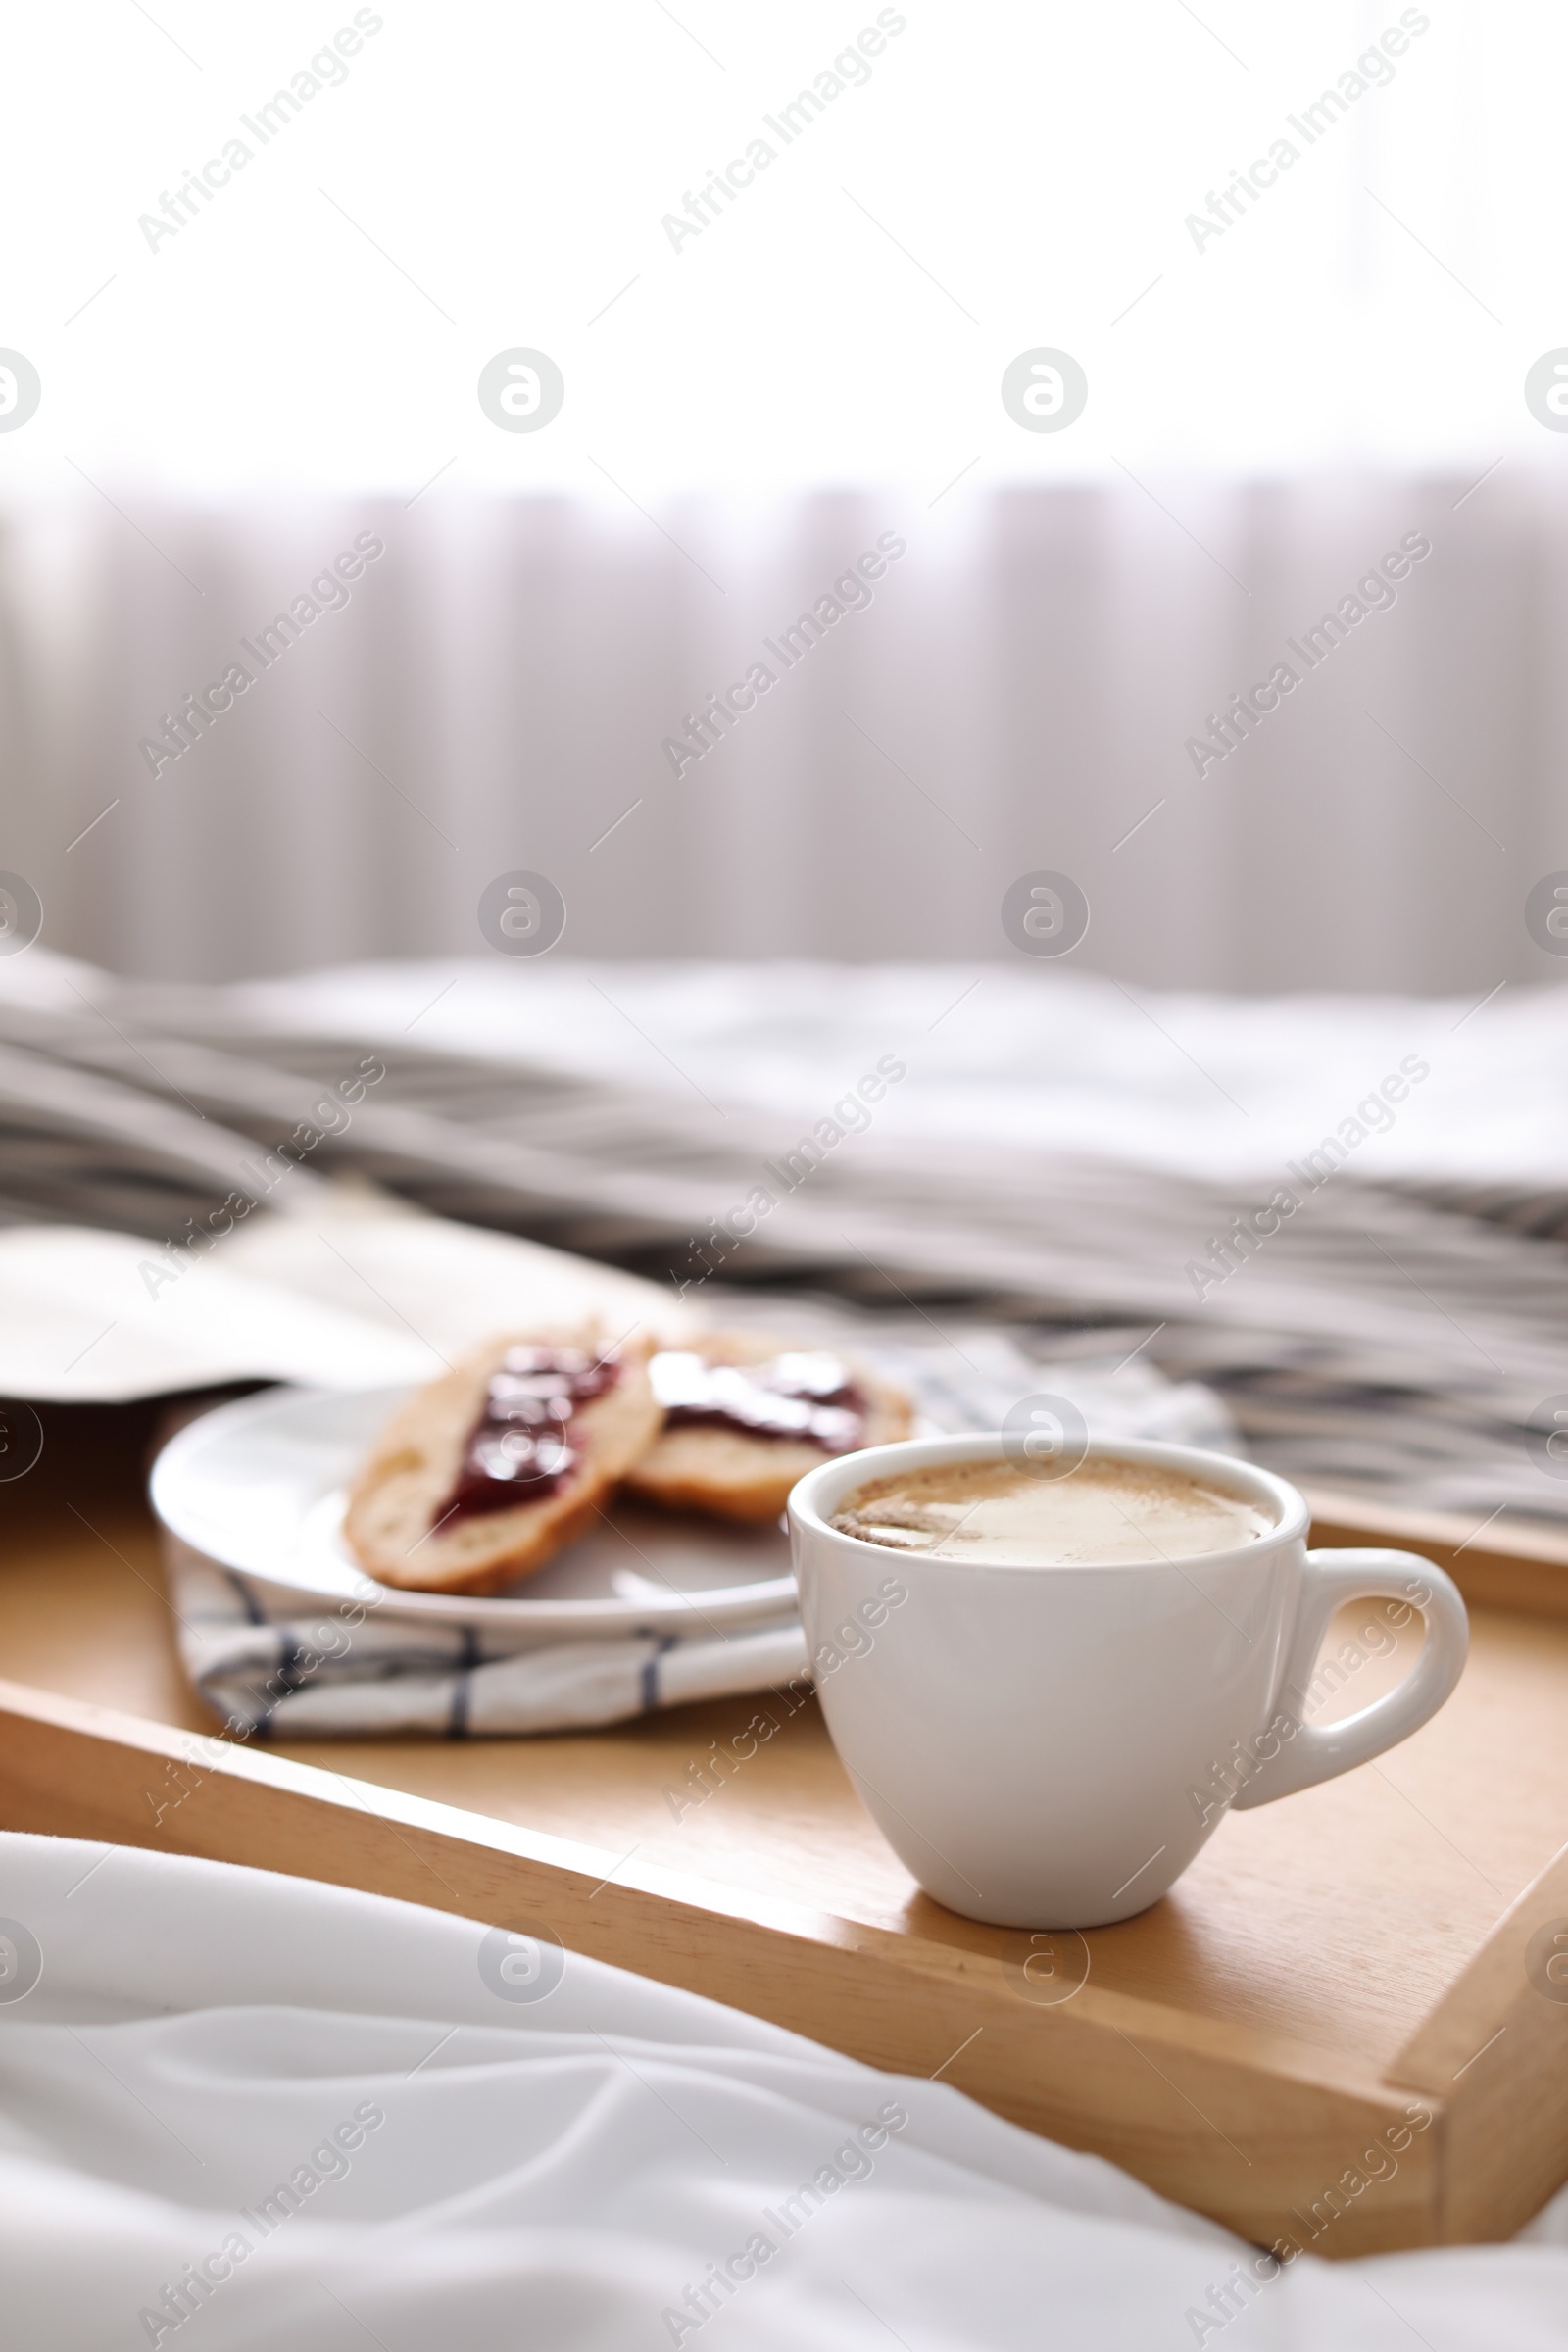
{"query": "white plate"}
(260, 1487)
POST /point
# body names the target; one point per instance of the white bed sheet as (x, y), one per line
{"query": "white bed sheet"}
(1045, 1139)
(1048, 1057)
(556, 2172)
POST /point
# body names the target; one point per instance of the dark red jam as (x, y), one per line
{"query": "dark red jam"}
(523, 1445)
(807, 1398)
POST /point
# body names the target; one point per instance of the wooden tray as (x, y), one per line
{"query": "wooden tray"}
(1331, 1969)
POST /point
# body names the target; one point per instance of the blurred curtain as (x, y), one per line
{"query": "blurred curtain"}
(1016, 691)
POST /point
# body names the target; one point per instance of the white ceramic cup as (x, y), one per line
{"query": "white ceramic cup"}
(1050, 1746)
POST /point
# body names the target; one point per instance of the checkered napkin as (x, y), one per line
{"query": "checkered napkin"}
(275, 1666)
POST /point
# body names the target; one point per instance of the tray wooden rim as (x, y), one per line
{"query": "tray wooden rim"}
(1122, 2075)
(76, 1768)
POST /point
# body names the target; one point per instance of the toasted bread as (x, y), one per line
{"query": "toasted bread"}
(401, 1520)
(727, 1471)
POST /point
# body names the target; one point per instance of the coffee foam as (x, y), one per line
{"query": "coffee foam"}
(1105, 1512)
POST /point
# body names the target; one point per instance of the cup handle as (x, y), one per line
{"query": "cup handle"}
(1329, 1580)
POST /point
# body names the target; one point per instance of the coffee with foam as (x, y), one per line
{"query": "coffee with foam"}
(1105, 1513)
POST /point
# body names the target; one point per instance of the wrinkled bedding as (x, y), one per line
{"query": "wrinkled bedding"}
(239, 2109)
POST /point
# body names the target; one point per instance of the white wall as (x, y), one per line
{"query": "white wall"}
(1016, 696)
(1272, 408)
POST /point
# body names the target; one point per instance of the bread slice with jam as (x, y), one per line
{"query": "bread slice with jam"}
(746, 1416)
(483, 1476)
